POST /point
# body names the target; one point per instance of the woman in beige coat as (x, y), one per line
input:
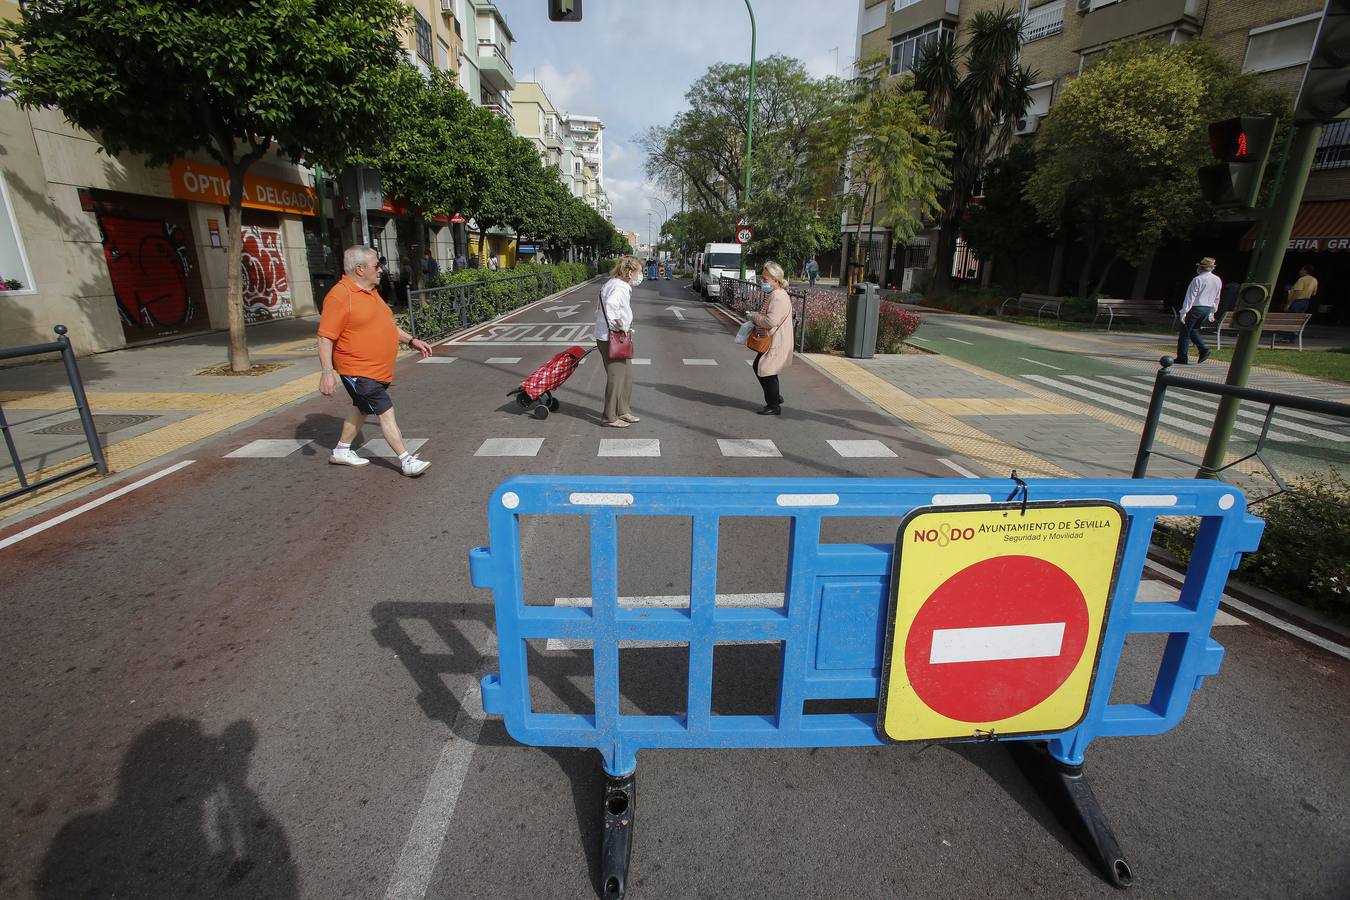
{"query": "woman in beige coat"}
(775, 320)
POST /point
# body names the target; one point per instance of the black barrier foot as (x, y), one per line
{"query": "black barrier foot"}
(616, 848)
(1065, 790)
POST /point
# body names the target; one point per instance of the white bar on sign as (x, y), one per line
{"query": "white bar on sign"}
(957, 645)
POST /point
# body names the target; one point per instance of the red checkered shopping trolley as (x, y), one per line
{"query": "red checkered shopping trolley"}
(536, 392)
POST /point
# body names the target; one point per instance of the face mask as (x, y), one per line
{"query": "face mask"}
(766, 287)
(636, 281)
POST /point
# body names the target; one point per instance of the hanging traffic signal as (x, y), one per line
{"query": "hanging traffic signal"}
(564, 10)
(1325, 94)
(1241, 145)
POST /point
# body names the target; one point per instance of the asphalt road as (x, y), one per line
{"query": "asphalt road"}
(257, 677)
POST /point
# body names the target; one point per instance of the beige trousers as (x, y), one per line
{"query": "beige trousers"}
(618, 384)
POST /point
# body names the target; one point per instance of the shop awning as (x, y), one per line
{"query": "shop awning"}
(1319, 226)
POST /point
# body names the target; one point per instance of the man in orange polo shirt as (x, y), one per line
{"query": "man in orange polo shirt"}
(358, 343)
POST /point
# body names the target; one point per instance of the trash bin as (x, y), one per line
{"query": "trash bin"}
(864, 307)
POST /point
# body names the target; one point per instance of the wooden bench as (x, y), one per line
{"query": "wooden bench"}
(1273, 324)
(1037, 302)
(1135, 309)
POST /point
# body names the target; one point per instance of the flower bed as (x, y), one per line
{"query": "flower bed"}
(826, 323)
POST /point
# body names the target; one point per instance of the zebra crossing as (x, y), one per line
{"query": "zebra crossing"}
(1190, 412)
(749, 448)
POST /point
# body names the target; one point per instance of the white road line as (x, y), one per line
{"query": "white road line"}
(1292, 388)
(700, 362)
(862, 449)
(1200, 414)
(268, 449)
(640, 362)
(1037, 362)
(380, 447)
(438, 359)
(629, 447)
(919, 339)
(959, 341)
(959, 470)
(1183, 397)
(422, 850)
(503, 360)
(995, 642)
(510, 447)
(92, 504)
(747, 447)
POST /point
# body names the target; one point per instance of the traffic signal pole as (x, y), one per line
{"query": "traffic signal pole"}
(1275, 232)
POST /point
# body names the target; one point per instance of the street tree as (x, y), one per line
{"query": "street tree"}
(976, 92)
(701, 153)
(231, 80)
(1005, 225)
(897, 160)
(1117, 154)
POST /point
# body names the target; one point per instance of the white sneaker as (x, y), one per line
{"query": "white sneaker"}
(412, 466)
(347, 457)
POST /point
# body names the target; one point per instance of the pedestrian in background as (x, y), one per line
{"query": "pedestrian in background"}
(1202, 298)
(774, 320)
(1303, 291)
(614, 313)
(358, 345)
(461, 262)
(431, 269)
(493, 263)
(812, 270)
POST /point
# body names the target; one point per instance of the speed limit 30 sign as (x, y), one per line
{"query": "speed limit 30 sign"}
(744, 234)
(996, 620)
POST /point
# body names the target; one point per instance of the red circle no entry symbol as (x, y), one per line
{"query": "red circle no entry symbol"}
(996, 638)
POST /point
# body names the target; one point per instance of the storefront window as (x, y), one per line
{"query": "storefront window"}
(14, 272)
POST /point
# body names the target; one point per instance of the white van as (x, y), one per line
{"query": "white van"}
(719, 260)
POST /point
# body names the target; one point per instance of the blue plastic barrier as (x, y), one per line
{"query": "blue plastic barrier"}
(833, 617)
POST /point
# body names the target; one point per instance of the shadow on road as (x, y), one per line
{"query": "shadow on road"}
(184, 823)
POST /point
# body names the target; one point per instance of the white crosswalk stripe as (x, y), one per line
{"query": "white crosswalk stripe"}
(862, 449)
(700, 362)
(1116, 397)
(438, 359)
(1321, 392)
(379, 448)
(629, 447)
(1211, 404)
(503, 360)
(1174, 404)
(510, 447)
(268, 449)
(747, 447)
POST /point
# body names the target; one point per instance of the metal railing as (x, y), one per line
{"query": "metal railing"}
(744, 295)
(1043, 21)
(1270, 399)
(97, 460)
(438, 312)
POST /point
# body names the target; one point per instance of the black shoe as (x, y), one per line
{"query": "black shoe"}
(770, 411)
(1204, 355)
(1182, 362)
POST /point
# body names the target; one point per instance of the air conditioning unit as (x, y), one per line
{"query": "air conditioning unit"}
(1028, 124)
(448, 7)
(1084, 7)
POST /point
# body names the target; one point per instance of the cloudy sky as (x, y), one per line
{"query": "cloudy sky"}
(630, 61)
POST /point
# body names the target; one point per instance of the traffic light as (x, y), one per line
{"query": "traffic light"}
(1241, 145)
(1252, 300)
(564, 10)
(1325, 95)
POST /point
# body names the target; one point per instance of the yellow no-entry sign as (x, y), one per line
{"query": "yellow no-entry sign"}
(996, 618)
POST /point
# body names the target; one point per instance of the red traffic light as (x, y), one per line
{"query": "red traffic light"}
(1232, 139)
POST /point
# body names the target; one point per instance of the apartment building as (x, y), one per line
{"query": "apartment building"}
(589, 134)
(1271, 39)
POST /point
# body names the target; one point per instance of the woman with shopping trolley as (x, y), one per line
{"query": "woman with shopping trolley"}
(771, 338)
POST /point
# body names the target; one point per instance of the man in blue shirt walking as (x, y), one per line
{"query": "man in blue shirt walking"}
(1202, 298)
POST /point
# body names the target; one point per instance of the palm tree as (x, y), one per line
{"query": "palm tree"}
(979, 110)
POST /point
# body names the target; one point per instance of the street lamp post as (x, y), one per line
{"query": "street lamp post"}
(749, 123)
(665, 212)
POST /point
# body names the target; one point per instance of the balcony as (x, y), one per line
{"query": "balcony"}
(922, 12)
(1129, 18)
(494, 67)
(503, 111)
(1043, 21)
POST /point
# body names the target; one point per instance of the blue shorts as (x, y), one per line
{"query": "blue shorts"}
(368, 395)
